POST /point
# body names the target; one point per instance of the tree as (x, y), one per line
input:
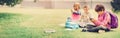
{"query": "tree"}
(116, 4)
(10, 3)
(36, 1)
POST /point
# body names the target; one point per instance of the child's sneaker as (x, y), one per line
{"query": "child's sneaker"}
(84, 30)
(101, 31)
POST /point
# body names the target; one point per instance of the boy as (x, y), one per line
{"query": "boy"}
(85, 17)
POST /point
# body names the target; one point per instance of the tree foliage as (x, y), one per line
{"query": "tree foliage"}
(10, 3)
(116, 4)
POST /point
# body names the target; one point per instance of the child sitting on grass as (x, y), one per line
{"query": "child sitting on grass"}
(76, 12)
(85, 16)
(72, 22)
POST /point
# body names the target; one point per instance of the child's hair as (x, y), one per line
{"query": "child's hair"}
(78, 4)
(85, 6)
(99, 7)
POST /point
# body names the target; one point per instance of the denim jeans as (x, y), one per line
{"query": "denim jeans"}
(93, 28)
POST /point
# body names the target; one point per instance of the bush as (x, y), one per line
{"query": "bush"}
(116, 5)
(10, 3)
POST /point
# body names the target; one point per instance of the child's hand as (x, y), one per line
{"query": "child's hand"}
(92, 19)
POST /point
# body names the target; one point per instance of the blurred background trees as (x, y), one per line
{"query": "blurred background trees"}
(115, 5)
(10, 3)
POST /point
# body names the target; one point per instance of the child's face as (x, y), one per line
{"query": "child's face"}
(100, 12)
(86, 9)
(76, 7)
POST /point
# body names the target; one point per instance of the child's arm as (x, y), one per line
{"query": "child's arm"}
(104, 22)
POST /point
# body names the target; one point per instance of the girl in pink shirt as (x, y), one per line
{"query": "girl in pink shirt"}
(75, 12)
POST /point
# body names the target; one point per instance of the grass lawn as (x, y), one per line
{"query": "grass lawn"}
(31, 23)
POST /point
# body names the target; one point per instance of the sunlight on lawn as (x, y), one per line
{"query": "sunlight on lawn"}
(31, 23)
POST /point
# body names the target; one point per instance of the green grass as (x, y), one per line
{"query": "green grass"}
(31, 25)
(10, 26)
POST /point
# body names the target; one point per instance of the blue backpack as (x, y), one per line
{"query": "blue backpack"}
(70, 24)
(114, 21)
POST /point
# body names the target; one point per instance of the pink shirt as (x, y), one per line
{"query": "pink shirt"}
(75, 15)
(103, 19)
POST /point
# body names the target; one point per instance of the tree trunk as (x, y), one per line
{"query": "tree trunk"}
(35, 1)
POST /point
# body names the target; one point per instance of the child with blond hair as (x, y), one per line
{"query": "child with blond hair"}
(76, 12)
